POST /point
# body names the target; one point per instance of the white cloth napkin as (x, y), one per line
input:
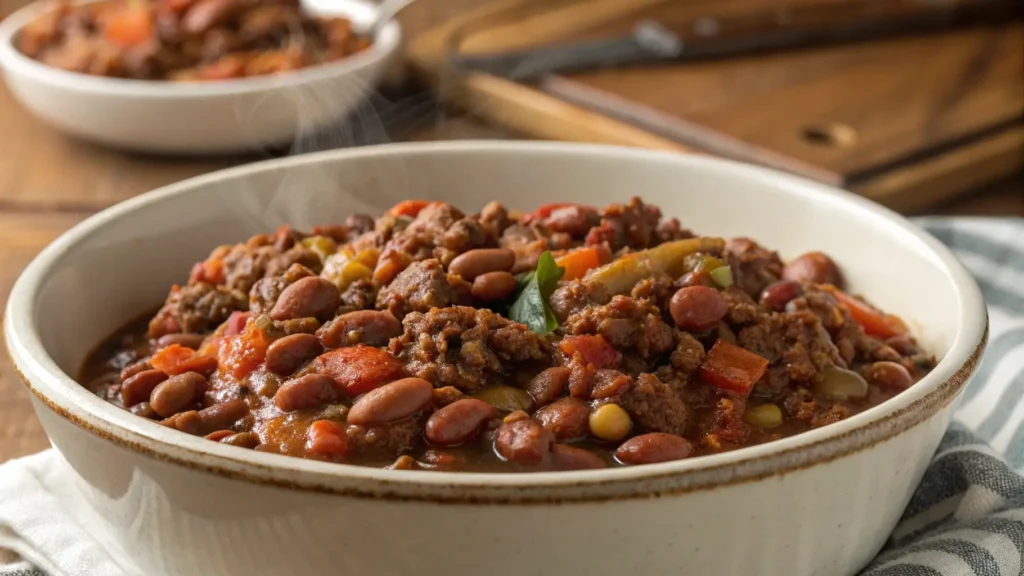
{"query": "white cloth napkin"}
(965, 519)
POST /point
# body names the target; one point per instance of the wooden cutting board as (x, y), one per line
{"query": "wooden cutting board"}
(908, 121)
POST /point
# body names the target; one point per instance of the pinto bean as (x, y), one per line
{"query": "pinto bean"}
(392, 402)
(223, 415)
(473, 263)
(242, 440)
(523, 442)
(307, 391)
(776, 295)
(813, 267)
(697, 308)
(176, 393)
(549, 385)
(888, 375)
(186, 339)
(493, 286)
(653, 447)
(308, 297)
(370, 327)
(459, 421)
(566, 418)
(133, 369)
(565, 457)
(288, 354)
(139, 387)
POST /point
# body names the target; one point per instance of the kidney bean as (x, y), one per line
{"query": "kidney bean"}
(653, 447)
(307, 391)
(549, 385)
(219, 435)
(473, 263)
(139, 387)
(778, 294)
(696, 278)
(176, 393)
(288, 354)
(888, 375)
(133, 369)
(459, 421)
(697, 308)
(145, 410)
(186, 339)
(308, 297)
(493, 286)
(223, 415)
(242, 440)
(187, 422)
(574, 220)
(813, 267)
(392, 402)
(523, 442)
(206, 14)
(565, 457)
(370, 327)
(566, 418)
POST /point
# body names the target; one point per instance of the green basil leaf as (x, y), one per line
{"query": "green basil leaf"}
(535, 288)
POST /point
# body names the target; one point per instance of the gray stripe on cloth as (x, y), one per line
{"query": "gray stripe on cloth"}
(978, 558)
(1007, 403)
(996, 350)
(1005, 254)
(907, 570)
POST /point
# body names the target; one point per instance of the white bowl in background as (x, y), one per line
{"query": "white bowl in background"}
(819, 503)
(194, 118)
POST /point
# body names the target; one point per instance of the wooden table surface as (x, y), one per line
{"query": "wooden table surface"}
(49, 182)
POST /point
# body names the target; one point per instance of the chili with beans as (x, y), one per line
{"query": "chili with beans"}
(186, 40)
(572, 337)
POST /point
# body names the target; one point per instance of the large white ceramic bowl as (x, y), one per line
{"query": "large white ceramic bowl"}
(198, 117)
(821, 503)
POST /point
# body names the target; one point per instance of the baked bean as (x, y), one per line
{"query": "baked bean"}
(697, 308)
(565, 457)
(653, 447)
(566, 418)
(459, 421)
(778, 294)
(242, 440)
(392, 402)
(186, 339)
(139, 387)
(308, 297)
(813, 267)
(206, 14)
(133, 369)
(888, 375)
(224, 414)
(288, 354)
(370, 327)
(187, 422)
(473, 263)
(176, 393)
(549, 385)
(307, 391)
(219, 435)
(145, 410)
(493, 286)
(523, 442)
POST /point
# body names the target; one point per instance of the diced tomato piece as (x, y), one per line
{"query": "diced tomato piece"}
(210, 271)
(327, 438)
(594, 348)
(545, 210)
(579, 261)
(243, 353)
(874, 321)
(408, 208)
(359, 369)
(168, 358)
(732, 368)
(130, 26)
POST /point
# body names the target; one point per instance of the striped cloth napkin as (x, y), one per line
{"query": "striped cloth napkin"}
(967, 516)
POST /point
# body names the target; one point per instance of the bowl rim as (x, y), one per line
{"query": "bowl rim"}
(62, 394)
(385, 43)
